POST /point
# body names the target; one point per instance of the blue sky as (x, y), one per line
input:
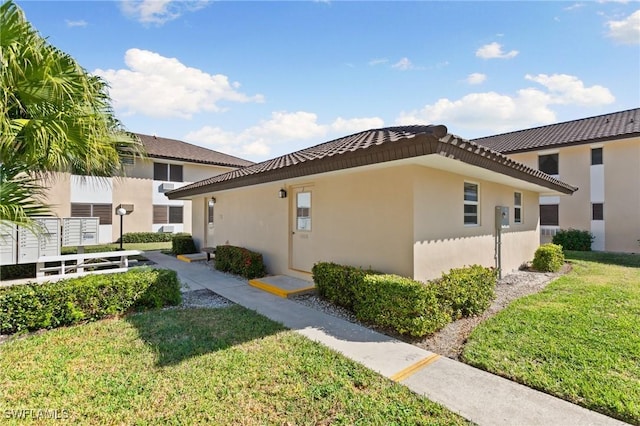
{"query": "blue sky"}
(261, 79)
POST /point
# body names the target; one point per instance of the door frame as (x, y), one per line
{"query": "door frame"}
(293, 191)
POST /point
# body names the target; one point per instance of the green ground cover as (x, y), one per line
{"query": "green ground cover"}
(579, 339)
(197, 366)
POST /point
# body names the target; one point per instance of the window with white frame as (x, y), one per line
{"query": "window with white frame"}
(517, 207)
(103, 211)
(471, 204)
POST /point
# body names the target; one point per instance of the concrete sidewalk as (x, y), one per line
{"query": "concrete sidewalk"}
(479, 396)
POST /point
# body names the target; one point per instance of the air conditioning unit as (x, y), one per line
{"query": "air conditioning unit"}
(167, 228)
(167, 187)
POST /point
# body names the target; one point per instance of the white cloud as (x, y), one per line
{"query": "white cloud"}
(378, 61)
(574, 6)
(485, 113)
(78, 23)
(494, 51)
(568, 89)
(403, 64)
(476, 78)
(281, 131)
(157, 86)
(626, 31)
(159, 11)
(354, 125)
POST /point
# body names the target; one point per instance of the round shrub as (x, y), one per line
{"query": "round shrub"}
(183, 244)
(548, 258)
(574, 239)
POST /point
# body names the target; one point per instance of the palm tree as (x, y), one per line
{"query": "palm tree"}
(54, 117)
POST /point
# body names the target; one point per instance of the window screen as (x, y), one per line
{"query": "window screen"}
(548, 164)
(596, 156)
(597, 211)
(549, 215)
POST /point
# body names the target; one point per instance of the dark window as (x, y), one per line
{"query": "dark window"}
(175, 214)
(549, 215)
(167, 214)
(548, 164)
(102, 211)
(160, 172)
(597, 211)
(175, 172)
(596, 156)
(160, 214)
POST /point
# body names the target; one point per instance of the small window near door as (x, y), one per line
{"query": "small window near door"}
(517, 207)
(210, 212)
(303, 211)
(471, 202)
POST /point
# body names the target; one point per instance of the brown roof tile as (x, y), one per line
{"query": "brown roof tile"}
(172, 149)
(617, 125)
(371, 147)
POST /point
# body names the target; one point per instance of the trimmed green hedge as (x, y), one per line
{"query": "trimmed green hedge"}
(149, 237)
(574, 239)
(337, 283)
(467, 291)
(239, 261)
(35, 306)
(405, 305)
(548, 258)
(14, 272)
(183, 244)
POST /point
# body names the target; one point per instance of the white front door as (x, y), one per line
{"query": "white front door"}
(301, 232)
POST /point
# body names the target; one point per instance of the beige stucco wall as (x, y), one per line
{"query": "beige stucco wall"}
(622, 195)
(405, 220)
(58, 194)
(134, 191)
(443, 242)
(621, 160)
(136, 188)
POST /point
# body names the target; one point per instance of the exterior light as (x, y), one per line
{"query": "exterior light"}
(212, 201)
(282, 193)
(120, 211)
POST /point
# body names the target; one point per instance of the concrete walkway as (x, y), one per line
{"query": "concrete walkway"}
(479, 396)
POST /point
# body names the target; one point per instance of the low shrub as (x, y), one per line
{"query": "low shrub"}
(35, 306)
(239, 261)
(15, 272)
(183, 244)
(548, 258)
(407, 306)
(574, 239)
(337, 283)
(467, 291)
(146, 237)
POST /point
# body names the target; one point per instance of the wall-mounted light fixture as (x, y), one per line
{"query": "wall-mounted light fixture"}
(212, 201)
(282, 193)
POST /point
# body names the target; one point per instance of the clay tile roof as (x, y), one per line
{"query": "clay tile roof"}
(366, 148)
(172, 149)
(617, 125)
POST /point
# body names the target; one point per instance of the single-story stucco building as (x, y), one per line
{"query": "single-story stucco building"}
(414, 201)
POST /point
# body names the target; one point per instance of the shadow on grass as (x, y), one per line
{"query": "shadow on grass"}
(609, 258)
(179, 334)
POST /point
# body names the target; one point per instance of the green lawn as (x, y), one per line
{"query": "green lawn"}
(579, 339)
(195, 366)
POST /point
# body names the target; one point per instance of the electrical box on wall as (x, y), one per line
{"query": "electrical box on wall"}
(502, 217)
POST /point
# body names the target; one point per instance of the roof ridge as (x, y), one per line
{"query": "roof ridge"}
(557, 124)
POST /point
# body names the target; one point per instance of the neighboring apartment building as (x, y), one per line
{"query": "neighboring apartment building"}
(170, 165)
(601, 156)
